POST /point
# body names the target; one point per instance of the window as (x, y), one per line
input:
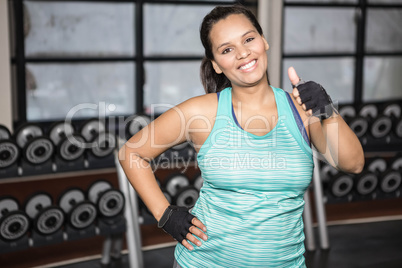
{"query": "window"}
(172, 54)
(352, 47)
(70, 53)
(131, 54)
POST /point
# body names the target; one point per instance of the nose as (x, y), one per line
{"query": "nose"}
(243, 53)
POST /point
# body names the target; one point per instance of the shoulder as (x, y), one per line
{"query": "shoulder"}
(204, 106)
(200, 105)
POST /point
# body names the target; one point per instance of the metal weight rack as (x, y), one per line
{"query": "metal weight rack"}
(319, 204)
(320, 211)
(133, 234)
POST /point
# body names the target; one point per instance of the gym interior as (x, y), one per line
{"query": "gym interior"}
(99, 71)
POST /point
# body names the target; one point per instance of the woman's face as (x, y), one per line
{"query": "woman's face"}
(239, 51)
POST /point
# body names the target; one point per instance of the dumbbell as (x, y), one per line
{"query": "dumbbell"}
(175, 182)
(14, 223)
(5, 133)
(69, 145)
(47, 219)
(340, 185)
(109, 201)
(390, 181)
(136, 123)
(391, 178)
(398, 128)
(180, 146)
(396, 163)
(198, 182)
(102, 142)
(367, 181)
(184, 150)
(173, 153)
(380, 124)
(186, 196)
(327, 171)
(37, 149)
(9, 151)
(80, 212)
(393, 111)
(357, 124)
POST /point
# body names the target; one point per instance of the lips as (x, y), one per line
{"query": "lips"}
(248, 65)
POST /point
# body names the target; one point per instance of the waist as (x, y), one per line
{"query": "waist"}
(248, 229)
(247, 208)
(244, 195)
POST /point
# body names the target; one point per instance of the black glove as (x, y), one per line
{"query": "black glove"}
(176, 221)
(314, 96)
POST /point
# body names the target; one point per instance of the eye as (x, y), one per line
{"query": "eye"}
(226, 50)
(249, 39)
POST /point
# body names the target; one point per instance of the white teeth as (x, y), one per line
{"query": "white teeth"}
(248, 65)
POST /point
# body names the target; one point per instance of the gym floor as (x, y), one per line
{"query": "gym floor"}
(369, 245)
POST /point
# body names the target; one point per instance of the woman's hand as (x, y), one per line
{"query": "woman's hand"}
(294, 79)
(311, 96)
(182, 225)
(196, 230)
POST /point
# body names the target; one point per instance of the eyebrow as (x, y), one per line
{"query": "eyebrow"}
(227, 43)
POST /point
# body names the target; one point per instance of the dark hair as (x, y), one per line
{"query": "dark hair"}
(212, 81)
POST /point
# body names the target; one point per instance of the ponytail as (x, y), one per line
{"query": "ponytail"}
(212, 81)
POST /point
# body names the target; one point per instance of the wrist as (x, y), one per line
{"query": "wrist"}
(158, 215)
(165, 217)
(330, 112)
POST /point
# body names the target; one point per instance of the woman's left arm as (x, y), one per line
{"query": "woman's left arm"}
(337, 143)
(332, 137)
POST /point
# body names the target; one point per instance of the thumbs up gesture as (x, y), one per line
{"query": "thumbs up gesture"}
(311, 96)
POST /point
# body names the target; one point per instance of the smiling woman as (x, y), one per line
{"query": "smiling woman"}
(239, 50)
(216, 81)
(253, 145)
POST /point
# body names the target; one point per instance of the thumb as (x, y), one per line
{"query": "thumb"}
(293, 77)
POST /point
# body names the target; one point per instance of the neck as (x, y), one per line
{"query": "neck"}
(254, 97)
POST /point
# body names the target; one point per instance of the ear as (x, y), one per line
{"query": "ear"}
(216, 67)
(265, 43)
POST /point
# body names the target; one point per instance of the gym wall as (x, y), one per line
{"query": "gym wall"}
(375, 193)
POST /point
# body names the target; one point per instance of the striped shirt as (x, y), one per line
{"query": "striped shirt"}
(252, 197)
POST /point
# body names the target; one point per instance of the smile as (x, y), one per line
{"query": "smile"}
(248, 65)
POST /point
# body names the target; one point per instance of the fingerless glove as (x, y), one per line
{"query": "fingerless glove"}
(314, 96)
(176, 221)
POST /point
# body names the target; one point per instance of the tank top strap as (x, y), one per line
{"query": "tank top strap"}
(221, 120)
(224, 102)
(292, 119)
(224, 105)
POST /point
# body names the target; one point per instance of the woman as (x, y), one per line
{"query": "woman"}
(254, 152)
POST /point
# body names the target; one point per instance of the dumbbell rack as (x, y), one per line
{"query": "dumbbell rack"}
(112, 244)
(383, 146)
(33, 241)
(379, 129)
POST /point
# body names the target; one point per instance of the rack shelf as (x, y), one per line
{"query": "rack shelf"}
(61, 175)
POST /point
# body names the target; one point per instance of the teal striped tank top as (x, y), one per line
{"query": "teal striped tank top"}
(252, 197)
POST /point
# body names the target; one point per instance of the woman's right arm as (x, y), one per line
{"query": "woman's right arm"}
(169, 129)
(140, 150)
